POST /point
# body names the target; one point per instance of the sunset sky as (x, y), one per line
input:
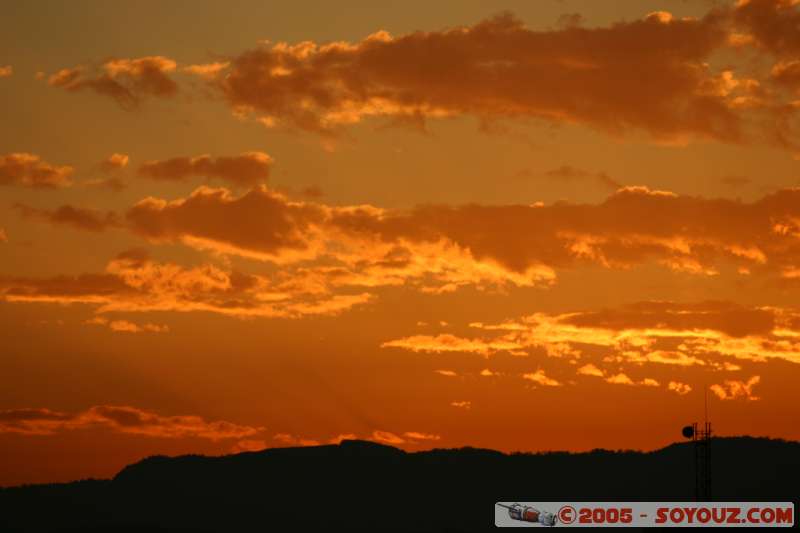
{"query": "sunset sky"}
(519, 225)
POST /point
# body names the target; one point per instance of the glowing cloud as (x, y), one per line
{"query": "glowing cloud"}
(134, 283)
(679, 388)
(540, 378)
(29, 170)
(733, 389)
(386, 437)
(126, 326)
(114, 162)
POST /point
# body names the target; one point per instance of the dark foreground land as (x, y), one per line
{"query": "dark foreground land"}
(361, 485)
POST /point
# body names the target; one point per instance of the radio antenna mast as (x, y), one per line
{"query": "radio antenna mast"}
(701, 444)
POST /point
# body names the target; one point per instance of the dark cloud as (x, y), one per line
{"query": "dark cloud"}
(243, 170)
(258, 222)
(77, 217)
(112, 184)
(648, 75)
(127, 81)
(773, 24)
(570, 173)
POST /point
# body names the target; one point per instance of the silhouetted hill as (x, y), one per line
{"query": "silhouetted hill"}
(361, 485)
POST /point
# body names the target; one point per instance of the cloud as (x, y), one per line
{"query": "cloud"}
(590, 370)
(207, 71)
(127, 326)
(293, 440)
(631, 338)
(259, 224)
(265, 225)
(448, 343)
(620, 379)
(448, 373)
(114, 162)
(76, 217)
(684, 86)
(634, 226)
(29, 170)
(733, 389)
(244, 170)
(437, 248)
(787, 73)
(127, 81)
(133, 283)
(637, 334)
(249, 445)
(570, 173)
(344, 251)
(464, 404)
(416, 435)
(615, 379)
(540, 378)
(496, 69)
(343, 436)
(679, 388)
(120, 419)
(112, 184)
(6, 71)
(770, 24)
(386, 437)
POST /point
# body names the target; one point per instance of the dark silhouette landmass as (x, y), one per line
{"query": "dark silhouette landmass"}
(360, 485)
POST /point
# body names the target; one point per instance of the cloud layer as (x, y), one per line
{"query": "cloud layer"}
(652, 76)
(704, 334)
(121, 419)
(333, 257)
(134, 283)
(512, 244)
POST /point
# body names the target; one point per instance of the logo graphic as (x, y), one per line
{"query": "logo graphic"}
(530, 514)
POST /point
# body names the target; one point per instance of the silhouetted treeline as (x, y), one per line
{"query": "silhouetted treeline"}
(361, 485)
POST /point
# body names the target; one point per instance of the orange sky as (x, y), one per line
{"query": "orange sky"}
(532, 226)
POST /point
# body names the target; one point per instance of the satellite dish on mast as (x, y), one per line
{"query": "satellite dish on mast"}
(688, 432)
